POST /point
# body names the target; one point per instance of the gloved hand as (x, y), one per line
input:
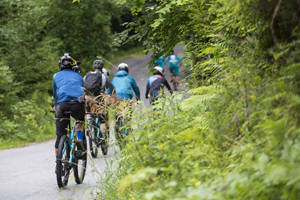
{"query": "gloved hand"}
(77, 69)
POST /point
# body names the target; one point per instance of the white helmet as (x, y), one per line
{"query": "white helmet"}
(158, 68)
(123, 66)
(105, 71)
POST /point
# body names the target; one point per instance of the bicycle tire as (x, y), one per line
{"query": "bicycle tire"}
(93, 145)
(62, 164)
(104, 149)
(121, 133)
(80, 166)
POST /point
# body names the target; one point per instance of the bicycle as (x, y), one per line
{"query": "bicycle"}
(96, 138)
(69, 157)
(121, 131)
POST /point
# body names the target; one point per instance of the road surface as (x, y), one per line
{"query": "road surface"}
(28, 172)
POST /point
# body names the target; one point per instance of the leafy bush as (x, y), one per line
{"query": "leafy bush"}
(29, 121)
(237, 135)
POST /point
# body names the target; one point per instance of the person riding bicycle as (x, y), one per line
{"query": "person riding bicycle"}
(125, 87)
(124, 84)
(95, 84)
(175, 63)
(67, 93)
(156, 84)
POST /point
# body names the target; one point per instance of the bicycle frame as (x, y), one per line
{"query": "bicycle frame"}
(72, 144)
(72, 134)
(97, 122)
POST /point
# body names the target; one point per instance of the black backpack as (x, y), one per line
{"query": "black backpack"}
(94, 83)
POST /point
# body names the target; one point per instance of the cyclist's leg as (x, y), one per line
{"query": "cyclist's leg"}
(62, 122)
(103, 120)
(88, 116)
(172, 69)
(176, 72)
(78, 113)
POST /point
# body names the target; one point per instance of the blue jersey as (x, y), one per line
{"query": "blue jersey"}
(125, 85)
(66, 86)
(173, 59)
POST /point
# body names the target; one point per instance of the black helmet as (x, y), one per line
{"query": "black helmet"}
(98, 64)
(66, 62)
(123, 66)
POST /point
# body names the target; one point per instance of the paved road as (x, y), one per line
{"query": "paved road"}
(28, 172)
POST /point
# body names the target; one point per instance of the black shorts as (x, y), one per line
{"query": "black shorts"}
(62, 120)
(102, 117)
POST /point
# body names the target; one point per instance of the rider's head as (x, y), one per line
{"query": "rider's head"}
(66, 62)
(172, 52)
(159, 70)
(123, 66)
(105, 72)
(98, 64)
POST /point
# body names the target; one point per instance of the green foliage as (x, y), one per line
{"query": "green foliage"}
(29, 53)
(7, 94)
(83, 27)
(30, 121)
(237, 135)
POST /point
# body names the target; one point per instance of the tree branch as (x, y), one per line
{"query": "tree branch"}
(272, 22)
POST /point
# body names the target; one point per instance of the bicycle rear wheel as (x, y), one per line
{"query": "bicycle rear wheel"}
(104, 146)
(120, 133)
(92, 144)
(80, 166)
(62, 165)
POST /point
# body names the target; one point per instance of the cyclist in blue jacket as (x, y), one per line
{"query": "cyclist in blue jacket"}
(124, 84)
(67, 93)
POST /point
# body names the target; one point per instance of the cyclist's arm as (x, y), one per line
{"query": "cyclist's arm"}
(110, 86)
(180, 60)
(147, 89)
(168, 86)
(54, 90)
(135, 88)
(109, 92)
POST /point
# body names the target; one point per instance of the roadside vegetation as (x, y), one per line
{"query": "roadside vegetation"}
(237, 135)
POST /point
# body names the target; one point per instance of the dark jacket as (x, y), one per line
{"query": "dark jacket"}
(156, 84)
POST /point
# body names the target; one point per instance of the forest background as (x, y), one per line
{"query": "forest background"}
(34, 34)
(236, 136)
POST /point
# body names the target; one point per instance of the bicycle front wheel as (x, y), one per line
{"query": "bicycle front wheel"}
(62, 165)
(80, 166)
